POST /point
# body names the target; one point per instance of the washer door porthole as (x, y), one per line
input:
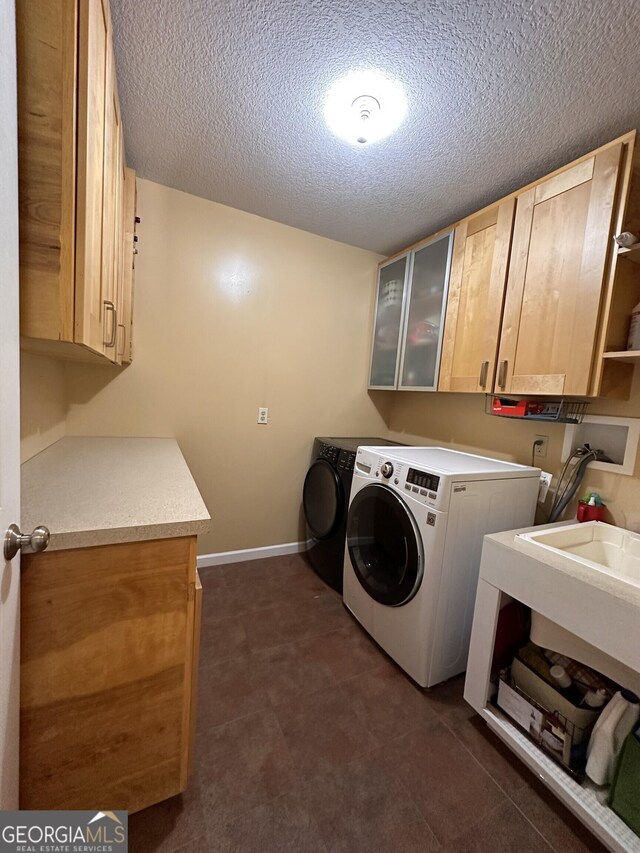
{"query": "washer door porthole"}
(384, 545)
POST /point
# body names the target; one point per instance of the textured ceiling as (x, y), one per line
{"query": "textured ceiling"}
(223, 99)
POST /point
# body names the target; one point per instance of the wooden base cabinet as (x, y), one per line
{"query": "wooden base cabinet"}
(108, 662)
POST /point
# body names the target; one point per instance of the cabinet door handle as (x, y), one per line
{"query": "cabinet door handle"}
(109, 306)
(124, 337)
(484, 369)
(502, 374)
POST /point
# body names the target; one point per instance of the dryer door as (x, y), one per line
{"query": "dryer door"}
(384, 545)
(323, 499)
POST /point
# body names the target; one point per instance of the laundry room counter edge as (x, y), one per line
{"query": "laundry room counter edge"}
(93, 491)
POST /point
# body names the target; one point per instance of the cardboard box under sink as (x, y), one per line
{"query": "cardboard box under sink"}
(546, 695)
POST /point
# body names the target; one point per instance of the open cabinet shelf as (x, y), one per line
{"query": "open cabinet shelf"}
(555, 411)
(630, 355)
(581, 799)
(631, 254)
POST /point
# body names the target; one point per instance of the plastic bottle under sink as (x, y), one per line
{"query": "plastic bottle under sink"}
(617, 720)
(564, 684)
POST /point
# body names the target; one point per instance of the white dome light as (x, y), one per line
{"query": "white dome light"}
(364, 106)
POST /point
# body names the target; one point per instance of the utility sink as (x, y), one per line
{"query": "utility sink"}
(595, 545)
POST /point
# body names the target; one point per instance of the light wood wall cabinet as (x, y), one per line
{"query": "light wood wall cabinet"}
(476, 294)
(108, 662)
(125, 302)
(562, 241)
(540, 296)
(72, 178)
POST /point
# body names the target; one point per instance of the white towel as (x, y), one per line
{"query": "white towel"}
(607, 738)
(601, 744)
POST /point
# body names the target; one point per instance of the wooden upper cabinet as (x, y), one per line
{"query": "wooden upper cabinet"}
(539, 297)
(46, 70)
(561, 244)
(476, 292)
(125, 308)
(71, 154)
(112, 223)
(95, 106)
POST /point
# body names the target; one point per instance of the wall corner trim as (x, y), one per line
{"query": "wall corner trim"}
(223, 557)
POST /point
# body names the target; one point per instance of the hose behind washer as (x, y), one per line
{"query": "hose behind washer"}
(576, 478)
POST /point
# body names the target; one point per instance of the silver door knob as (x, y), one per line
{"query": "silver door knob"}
(15, 541)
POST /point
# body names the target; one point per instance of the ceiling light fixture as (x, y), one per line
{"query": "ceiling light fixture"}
(364, 106)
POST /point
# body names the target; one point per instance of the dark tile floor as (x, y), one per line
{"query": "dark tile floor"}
(310, 740)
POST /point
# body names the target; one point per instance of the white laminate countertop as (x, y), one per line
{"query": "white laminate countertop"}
(100, 491)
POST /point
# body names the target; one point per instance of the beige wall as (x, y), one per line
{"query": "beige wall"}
(43, 408)
(233, 312)
(458, 420)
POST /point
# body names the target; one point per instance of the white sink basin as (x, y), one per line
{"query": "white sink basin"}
(595, 545)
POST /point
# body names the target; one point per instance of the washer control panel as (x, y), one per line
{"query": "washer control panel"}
(430, 482)
(431, 490)
(423, 485)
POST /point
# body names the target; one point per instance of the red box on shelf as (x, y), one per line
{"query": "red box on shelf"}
(517, 408)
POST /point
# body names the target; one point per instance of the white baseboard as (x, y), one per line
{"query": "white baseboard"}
(222, 557)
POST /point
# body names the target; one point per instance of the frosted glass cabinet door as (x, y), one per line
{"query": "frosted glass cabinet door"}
(385, 350)
(427, 295)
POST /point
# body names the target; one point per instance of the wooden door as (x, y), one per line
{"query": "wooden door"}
(126, 313)
(476, 294)
(197, 626)
(9, 412)
(120, 248)
(107, 668)
(561, 242)
(111, 211)
(93, 81)
(47, 55)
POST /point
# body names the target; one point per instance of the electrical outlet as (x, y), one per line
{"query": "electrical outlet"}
(541, 449)
(263, 416)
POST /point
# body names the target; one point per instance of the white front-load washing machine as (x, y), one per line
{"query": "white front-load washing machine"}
(416, 520)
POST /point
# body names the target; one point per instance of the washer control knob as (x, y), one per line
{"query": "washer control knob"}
(386, 469)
